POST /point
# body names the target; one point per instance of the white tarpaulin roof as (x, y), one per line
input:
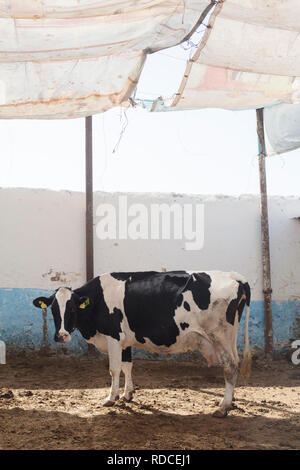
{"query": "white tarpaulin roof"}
(249, 57)
(218, 87)
(70, 58)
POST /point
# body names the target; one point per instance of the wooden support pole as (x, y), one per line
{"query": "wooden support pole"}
(89, 207)
(89, 222)
(267, 288)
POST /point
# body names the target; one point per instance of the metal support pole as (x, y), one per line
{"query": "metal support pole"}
(267, 288)
(89, 197)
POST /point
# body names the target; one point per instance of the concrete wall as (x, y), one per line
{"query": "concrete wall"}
(43, 247)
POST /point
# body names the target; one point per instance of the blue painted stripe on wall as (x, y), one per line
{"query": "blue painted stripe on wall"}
(21, 324)
(285, 324)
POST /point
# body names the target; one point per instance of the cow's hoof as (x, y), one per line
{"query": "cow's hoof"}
(220, 413)
(109, 402)
(127, 397)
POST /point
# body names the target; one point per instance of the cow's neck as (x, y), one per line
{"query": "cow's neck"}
(86, 319)
(85, 323)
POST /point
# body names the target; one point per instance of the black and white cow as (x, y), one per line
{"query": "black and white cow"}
(162, 312)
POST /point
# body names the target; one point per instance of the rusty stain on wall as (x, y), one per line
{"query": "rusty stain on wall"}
(45, 343)
(61, 276)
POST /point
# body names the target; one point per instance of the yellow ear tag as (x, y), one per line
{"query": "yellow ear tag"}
(42, 304)
(85, 303)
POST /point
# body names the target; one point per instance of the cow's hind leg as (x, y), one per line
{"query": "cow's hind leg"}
(230, 375)
(127, 371)
(115, 359)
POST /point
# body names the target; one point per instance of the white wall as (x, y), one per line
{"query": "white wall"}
(231, 241)
(43, 240)
(42, 235)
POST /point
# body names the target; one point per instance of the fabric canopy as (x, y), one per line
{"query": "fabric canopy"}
(73, 58)
(249, 57)
(260, 36)
(282, 128)
(70, 58)
(218, 87)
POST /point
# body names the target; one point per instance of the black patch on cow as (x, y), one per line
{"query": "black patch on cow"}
(179, 300)
(248, 292)
(56, 315)
(151, 299)
(186, 306)
(184, 325)
(199, 284)
(47, 300)
(70, 315)
(126, 355)
(110, 323)
(241, 308)
(237, 304)
(150, 303)
(231, 311)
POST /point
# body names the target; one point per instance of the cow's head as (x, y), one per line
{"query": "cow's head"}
(65, 305)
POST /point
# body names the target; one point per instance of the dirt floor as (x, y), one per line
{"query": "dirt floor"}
(53, 402)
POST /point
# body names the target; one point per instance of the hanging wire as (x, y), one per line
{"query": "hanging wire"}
(124, 118)
(192, 44)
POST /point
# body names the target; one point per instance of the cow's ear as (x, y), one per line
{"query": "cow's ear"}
(43, 302)
(84, 302)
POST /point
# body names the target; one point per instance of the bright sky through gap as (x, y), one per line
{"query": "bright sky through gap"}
(205, 151)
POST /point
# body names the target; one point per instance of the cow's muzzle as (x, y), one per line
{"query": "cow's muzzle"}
(62, 338)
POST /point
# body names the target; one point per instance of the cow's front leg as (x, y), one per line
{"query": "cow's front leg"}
(115, 358)
(230, 375)
(127, 370)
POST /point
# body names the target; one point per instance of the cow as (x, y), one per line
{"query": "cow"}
(162, 312)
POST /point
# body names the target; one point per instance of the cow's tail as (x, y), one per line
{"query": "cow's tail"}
(246, 363)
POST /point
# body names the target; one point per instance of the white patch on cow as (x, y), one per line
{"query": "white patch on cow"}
(223, 286)
(127, 371)
(208, 329)
(62, 296)
(113, 291)
(115, 361)
(194, 336)
(99, 341)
